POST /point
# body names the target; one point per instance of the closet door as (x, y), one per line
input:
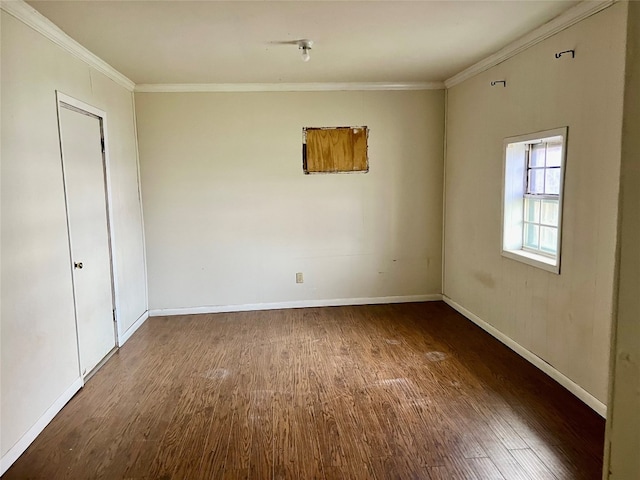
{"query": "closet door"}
(81, 135)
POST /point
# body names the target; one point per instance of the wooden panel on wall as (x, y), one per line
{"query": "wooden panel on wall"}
(333, 150)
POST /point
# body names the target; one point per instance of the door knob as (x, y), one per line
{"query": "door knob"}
(77, 265)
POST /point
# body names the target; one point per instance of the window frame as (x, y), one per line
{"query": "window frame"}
(515, 192)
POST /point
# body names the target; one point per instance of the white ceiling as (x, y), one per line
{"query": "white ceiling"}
(168, 42)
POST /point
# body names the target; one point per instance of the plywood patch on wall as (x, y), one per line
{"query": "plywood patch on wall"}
(335, 150)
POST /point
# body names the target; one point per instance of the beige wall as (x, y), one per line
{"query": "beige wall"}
(230, 217)
(624, 415)
(39, 354)
(563, 319)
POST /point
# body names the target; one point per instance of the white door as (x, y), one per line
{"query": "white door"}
(82, 158)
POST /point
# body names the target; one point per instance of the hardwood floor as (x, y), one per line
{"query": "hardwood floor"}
(402, 391)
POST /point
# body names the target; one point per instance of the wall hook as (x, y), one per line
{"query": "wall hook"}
(572, 52)
(496, 82)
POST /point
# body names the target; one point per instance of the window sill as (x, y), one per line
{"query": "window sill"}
(540, 261)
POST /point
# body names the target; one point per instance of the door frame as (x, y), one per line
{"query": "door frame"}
(65, 101)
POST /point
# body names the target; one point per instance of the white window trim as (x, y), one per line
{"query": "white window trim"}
(513, 192)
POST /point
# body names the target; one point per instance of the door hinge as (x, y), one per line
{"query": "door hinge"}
(114, 315)
(102, 144)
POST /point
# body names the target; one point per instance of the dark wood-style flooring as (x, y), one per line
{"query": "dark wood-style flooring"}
(402, 391)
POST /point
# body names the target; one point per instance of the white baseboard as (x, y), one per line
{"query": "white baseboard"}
(295, 304)
(18, 449)
(566, 382)
(124, 336)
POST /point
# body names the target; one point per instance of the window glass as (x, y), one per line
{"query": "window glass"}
(536, 181)
(531, 235)
(554, 154)
(548, 239)
(532, 210)
(537, 155)
(550, 212)
(552, 181)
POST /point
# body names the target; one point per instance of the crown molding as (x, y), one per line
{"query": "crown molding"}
(34, 19)
(285, 87)
(584, 9)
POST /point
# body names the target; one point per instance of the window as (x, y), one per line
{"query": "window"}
(335, 150)
(532, 201)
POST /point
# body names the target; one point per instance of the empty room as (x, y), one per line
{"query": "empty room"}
(320, 239)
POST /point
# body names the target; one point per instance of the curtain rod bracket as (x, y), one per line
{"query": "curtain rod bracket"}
(572, 52)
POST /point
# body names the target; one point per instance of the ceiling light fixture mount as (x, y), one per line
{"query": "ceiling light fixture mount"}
(305, 45)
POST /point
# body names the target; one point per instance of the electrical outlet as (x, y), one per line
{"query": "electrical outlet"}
(299, 278)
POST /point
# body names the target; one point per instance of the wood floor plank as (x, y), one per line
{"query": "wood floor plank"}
(485, 468)
(216, 448)
(262, 445)
(308, 457)
(284, 426)
(361, 392)
(532, 464)
(329, 441)
(239, 452)
(441, 472)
